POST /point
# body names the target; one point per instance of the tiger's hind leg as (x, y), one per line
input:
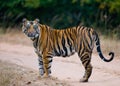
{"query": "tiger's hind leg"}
(86, 59)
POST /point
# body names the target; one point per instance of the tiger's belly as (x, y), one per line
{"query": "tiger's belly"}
(64, 52)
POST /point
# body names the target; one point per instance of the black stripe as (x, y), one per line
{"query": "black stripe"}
(46, 27)
(64, 47)
(58, 47)
(40, 62)
(98, 49)
(49, 67)
(90, 37)
(56, 53)
(84, 58)
(87, 43)
(82, 48)
(49, 56)
(40, 68)
(97, 42)
(85, 40)
(61, 52)
(50, 61)
(70, 44)
(35, 42)
(88, 62)
(80, 28)
(96, 38)
(71, 36)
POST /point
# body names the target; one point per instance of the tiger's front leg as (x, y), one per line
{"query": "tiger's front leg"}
(41, 68)
(47, 61)
(40, 61)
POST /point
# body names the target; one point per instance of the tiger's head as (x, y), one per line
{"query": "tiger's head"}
(31, 28)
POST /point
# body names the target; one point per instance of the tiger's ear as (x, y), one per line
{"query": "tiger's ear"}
(24, 20)
(37, 20)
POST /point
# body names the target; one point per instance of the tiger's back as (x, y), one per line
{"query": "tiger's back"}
(68, 41)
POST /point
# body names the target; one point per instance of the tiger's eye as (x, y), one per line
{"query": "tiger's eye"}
(35, 26)
(28, 26)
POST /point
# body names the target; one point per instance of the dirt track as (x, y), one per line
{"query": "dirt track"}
(68, 69)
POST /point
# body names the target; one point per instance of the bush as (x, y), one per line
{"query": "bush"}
(62, 13)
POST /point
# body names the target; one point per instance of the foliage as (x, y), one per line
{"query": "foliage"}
(103, 14)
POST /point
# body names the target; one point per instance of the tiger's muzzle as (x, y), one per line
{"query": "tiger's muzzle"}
(31, 35)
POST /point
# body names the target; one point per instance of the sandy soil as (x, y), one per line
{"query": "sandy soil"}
(16, 75)
(69, 70)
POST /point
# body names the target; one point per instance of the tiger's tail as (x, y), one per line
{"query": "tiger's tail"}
(97, 41)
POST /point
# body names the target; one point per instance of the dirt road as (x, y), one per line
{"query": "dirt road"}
(68, 69)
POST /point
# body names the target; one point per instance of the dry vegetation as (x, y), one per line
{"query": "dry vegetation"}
(14, 75)
(10, 75)
(110, 45)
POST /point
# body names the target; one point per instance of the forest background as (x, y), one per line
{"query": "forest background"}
(103, 15)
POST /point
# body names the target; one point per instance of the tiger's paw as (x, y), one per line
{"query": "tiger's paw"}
(43, 77)
(83, 80)
(46, 76)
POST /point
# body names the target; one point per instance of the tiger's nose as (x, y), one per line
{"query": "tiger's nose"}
(31, 34)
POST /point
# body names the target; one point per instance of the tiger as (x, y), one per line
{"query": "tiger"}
(49, 42)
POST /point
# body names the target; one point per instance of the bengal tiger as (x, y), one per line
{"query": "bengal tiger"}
(49, 42)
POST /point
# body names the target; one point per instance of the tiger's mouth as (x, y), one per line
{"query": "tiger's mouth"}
(31, 35)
